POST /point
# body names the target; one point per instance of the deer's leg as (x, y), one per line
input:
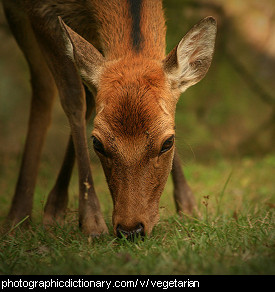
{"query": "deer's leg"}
(90, 217)
(43, 92)
(57, 201)
(56, 205)
(72, 96)
(183, 196)
(38, 123)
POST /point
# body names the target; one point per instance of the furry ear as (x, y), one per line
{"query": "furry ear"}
(88, 60)
(189, 61)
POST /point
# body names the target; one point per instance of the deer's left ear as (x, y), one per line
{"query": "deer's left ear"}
(88, 60)
(189, 61)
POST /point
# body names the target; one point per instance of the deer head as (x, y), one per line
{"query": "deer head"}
(134, 126)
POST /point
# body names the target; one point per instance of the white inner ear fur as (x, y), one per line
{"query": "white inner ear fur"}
(194, 54)
(90, 76)
(69, 49)
(88, 61)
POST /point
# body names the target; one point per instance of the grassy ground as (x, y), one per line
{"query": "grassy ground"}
(233, 235)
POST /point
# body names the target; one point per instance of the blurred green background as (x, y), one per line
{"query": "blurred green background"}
(229, 114)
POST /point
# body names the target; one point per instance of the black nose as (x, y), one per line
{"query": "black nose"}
(132, 233)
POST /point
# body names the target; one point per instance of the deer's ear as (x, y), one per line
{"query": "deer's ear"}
(88, 60)
(189, 61)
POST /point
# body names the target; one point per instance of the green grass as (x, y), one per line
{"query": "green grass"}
(233, 235)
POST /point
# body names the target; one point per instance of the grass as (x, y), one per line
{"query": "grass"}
(233, 235)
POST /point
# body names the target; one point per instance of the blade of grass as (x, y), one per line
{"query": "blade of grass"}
(16, 226)
(219, 199)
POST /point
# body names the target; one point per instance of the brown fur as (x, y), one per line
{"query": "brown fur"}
(134, 90)
(117, 48)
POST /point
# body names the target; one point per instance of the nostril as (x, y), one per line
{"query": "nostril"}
(130, 234)
(121, 232)
(140, 229)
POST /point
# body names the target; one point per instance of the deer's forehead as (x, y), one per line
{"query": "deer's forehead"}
(134, 100)
(136, 71)
(132, 116)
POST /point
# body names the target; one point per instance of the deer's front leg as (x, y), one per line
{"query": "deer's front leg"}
(73, 101)
(55, 208)
(90, 218)
(72, 96)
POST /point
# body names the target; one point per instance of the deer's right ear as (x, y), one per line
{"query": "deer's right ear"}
(87, 59)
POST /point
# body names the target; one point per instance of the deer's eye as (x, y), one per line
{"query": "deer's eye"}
(167, 145)
(98, 146)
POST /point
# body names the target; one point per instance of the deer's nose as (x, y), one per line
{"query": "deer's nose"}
(130, 234)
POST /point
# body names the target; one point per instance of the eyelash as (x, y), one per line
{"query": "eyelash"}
(167, 145)
(98, 146)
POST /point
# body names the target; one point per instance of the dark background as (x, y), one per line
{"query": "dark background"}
(229, 114)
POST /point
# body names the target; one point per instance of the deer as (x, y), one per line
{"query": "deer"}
(107, 57)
